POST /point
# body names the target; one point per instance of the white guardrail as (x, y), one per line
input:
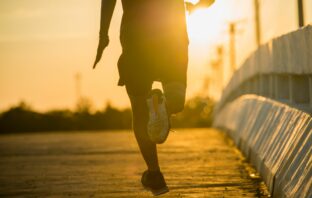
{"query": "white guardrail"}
(276, 139)
(280, 69)
(266, 108)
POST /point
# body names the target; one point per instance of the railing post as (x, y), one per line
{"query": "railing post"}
(260, 85)
(291, 89)
(276, 88)
(300, 89)
(271, 84)
(282, 87)
(310, 90)
(255, 85)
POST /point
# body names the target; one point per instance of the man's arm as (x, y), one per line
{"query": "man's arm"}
(107, 10)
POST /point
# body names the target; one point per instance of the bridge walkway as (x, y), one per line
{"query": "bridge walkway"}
(195, 162)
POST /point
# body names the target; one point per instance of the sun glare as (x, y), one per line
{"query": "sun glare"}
(192, 1)
(198, 28)
(204, 26)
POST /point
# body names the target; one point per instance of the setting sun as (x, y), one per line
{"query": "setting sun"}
(203, 26)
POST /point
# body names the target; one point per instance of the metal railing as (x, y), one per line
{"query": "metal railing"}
(280, 70)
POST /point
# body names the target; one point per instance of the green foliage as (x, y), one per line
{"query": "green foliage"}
(21, 118)
(197, 113)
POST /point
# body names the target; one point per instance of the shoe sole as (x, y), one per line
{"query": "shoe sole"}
(158, 191)
(155, 101)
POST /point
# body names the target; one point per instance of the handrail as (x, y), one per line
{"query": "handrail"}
(280, 69)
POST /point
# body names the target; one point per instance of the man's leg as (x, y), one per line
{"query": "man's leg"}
(175, 96)
(152, 179)
(140, 118)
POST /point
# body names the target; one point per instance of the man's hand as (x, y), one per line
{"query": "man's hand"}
(201, 4)
(190, 7)
(205, 3)
(103, 42)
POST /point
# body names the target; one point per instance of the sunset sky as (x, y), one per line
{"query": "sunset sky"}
(45, 43)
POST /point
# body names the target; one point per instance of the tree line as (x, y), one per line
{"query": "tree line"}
(22, 118)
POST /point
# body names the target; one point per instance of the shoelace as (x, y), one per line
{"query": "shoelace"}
(157, 123)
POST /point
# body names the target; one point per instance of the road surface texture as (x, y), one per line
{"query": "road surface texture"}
(195, 162)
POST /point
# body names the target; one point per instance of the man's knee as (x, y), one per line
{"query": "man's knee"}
(176, 105)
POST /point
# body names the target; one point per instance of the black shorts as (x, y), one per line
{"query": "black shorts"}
(139, 87)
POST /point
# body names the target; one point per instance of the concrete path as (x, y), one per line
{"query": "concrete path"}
(195, 162)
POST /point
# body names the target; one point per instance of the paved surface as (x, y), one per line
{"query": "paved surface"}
(195, 162)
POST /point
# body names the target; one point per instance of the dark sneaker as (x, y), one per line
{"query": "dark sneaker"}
(158, 124)
(155, 182)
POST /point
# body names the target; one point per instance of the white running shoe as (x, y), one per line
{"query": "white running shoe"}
(158, 124)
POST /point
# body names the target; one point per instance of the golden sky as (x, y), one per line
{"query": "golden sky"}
(44, 44)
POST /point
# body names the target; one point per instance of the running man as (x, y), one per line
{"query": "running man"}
(154, 43)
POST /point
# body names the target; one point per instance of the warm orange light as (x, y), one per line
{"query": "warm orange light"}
(198, 26)
(204, 25)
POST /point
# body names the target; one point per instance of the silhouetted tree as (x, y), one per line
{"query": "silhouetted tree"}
(21, 118)
(197, 113)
